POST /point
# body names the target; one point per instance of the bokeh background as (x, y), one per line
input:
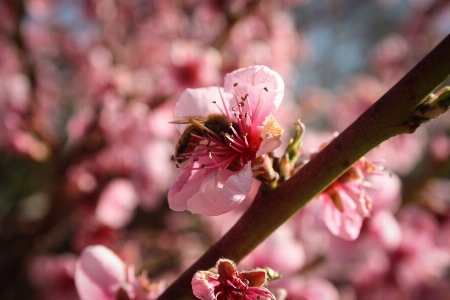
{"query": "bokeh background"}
(87, 89)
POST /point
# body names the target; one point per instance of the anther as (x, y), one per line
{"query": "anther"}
(172, 158)
(176, 165)
(235, 84)
(244, 134)
(240, 116)
(241, 104)
(230, 125)
(246, 115)
(203, 166)
(209, 153)
(214, 101)
(266, 89)
(233, 109)
(196, 159)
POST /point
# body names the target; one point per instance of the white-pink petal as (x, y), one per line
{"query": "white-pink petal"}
(225, 195)
(98, 273)
(258, 76)
(203, 285)
(347, 224)
(189, 183)
(199, 102)
(268, 145)
(265, 89)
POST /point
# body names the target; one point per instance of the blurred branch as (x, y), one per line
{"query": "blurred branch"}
(391, 115)
(232, 19)
(31, 119)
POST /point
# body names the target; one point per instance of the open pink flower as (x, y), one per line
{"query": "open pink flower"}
(225, 282)
(102, 275)
(221, 154)
(346, 202)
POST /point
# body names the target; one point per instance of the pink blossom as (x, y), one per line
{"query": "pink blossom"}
(385, 230)
(225, 282)
(218, 174)
(117, 203)
(281, 252)
(346, 202)
(421, 257)
(298, 287)
(194, 65)
(385, 192)
(102, 275)
(28, 145)
(53, 276)
(439, 147)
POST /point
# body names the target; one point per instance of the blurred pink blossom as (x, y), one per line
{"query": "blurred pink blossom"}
(385, 229)
(298, 288)
(27, 144)
(116, 204)
(439, 147)
(385, 191)
(102, 275)
(54, 276)
(280, 252)
(218, 175)
(421, 260)
(194, 65)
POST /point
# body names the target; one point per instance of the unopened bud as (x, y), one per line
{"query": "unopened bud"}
(292, 153)
(433, 106)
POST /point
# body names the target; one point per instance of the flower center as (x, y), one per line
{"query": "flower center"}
(235, 288)
(227, 140)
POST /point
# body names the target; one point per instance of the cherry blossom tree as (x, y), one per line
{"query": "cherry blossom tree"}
(230, 149)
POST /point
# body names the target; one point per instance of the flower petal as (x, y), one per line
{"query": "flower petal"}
(203, 285)
(226, 268)
(265, 89)
(219, 199)
(189, 183)
(267, 145)
(98, 273)
(199, 102)
(257, 277)
(347, 224)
